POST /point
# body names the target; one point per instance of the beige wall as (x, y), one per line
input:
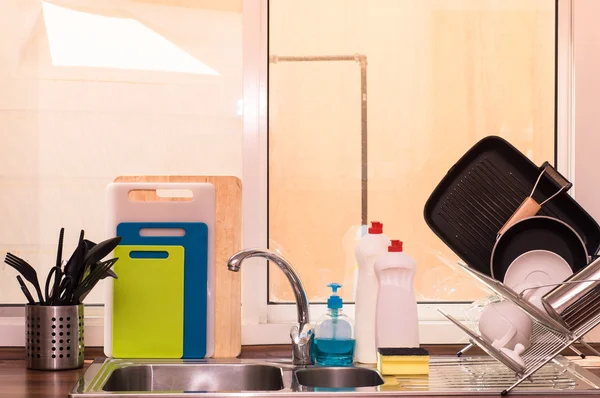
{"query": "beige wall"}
(586, 39)
(68, 131)
(587, 105)
(441, 75)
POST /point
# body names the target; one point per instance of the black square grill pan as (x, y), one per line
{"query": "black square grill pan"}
(481, 192)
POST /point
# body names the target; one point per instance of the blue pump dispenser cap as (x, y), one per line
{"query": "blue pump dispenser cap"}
(334, 302)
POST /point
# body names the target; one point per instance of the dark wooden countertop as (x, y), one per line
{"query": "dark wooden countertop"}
(16, 381)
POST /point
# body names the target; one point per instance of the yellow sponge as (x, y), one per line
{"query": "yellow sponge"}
(403, 361)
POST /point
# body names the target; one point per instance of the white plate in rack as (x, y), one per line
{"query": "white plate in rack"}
(537, 268)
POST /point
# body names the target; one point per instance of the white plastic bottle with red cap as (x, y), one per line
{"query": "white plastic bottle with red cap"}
(397, 324)
(367, 250)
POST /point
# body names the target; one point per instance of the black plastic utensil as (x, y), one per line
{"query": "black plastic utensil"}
(101, 272)
(73, 268)
(58, 276)
(106, 268)
(109, 272)
(61, 237)
(62, 296)
(88, 244)
(26, 270)
(97, 253)
(72, 261)
(26, 291)
(51, 296)
(101, 250)
(80, 261)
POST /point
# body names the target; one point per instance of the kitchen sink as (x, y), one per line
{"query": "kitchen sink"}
(195, 377)
(235, 378)
(342, 377)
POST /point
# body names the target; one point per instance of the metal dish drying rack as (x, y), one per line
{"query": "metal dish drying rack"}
(549, 337)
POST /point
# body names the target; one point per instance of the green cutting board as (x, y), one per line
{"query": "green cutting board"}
(148, 302)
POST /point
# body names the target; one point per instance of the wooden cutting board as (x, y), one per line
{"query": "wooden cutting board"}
(228, 239)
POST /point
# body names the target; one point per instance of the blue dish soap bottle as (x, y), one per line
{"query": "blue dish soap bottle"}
(334, 334)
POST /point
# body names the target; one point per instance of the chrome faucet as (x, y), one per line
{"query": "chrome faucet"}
(302, 335)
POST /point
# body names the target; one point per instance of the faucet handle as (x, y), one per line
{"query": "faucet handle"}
(302, 336)
(302, 340)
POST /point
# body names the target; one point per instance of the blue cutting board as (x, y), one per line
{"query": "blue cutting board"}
(195, 244)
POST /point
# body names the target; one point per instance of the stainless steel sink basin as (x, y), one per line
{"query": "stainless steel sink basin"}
(237, 378)
(198, 377)
(338, 377)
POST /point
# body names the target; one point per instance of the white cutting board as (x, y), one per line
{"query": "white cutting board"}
(199, 208)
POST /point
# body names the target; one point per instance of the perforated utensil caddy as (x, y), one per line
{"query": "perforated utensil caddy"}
(54, 337)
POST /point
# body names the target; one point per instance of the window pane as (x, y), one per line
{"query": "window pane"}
(97, 89)
(440, 76)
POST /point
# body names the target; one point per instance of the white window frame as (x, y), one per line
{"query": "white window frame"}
(270, 324)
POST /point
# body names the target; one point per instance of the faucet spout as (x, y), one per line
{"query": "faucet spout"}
(302, 334)
(235, 262)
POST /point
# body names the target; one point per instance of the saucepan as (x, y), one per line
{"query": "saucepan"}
(538, 233)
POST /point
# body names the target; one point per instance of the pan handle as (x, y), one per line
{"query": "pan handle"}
(528, 208)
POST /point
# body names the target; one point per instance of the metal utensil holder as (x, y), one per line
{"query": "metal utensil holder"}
(549, 337)
(54, 337)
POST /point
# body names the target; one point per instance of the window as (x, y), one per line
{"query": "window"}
(400, 89)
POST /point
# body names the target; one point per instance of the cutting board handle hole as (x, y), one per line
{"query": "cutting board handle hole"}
(162, 232)
(158, 254)
(160, 195)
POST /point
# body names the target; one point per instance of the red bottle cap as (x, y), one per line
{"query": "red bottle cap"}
(376, 227)
(396, 246)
